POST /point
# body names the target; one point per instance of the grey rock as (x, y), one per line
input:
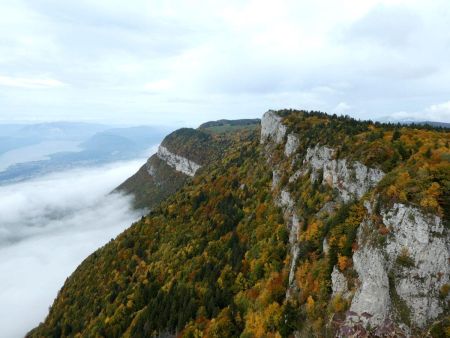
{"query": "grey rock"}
(327, 209)
(276, 176)
(422, 237)
(372, 296)
(292, 144)
(294, 251)
(286, 200)
(150, 170)
(272, 127)
(325, 246)
(299, 173)
(425, 240)
(351, 179)
(179, 163)
(339, 284)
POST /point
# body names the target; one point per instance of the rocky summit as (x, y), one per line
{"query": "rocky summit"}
(302, 224)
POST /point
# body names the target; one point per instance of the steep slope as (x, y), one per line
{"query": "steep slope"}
(179, 157)
(316, 226)
(366, 208)
(214, 249)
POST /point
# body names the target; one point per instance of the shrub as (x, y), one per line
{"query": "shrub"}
(445, 289)
(404, 259)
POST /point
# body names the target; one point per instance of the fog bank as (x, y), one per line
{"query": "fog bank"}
(47, 227)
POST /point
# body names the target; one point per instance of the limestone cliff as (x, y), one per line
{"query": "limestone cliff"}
(398, 278)
(177, 162)
(178, 158)
(402, 278)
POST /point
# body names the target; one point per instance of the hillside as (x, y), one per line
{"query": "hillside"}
(179, 156)
(310, 226)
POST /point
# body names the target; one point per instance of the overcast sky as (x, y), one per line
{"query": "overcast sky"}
(184, 62)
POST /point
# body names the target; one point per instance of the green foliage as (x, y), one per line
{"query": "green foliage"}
(404, 259)
(195, 144)
(231, 123)
(401, 309)
(441, 328)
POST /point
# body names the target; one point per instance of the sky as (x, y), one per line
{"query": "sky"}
(47, 227)
(186, 62)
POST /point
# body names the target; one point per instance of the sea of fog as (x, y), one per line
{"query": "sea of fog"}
(48, 225)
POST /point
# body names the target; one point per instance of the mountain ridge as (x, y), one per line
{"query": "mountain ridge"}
(170, 168)
(313, 225)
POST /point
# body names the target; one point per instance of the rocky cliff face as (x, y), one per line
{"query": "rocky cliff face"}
(177, 162)
(153, 182)
(402, 278)
(272, 127)
(273, 133)
(351, 179)
(398, 279)
(180, 156)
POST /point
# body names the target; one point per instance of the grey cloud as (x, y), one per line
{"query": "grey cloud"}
(392, 26)
(392, 58)
(86, 29)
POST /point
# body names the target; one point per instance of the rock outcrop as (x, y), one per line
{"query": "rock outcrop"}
(292, 144)
(150, 169)
(272, 133)
(351, 179)
(272, 127)
(339, 284)
(399, 279)
(418, 251)
(373, 294)
(179, 163)
(402, 279)
(293, 224)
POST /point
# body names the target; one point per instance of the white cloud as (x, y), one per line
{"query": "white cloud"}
(439, 112)
(47, 227)
(342, 108)
(440, 108)
(392, 56)
(29, 83)
(157, 86)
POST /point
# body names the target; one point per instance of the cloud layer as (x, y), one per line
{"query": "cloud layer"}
(47, 227)
(187, 62)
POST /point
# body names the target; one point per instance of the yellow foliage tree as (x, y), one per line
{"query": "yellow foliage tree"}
(343, 262)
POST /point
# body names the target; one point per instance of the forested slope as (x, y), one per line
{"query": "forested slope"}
(316, 225)
(179, 156)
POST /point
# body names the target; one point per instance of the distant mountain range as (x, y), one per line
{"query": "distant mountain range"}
(415, 122)
(433, 123)
(30, 150)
